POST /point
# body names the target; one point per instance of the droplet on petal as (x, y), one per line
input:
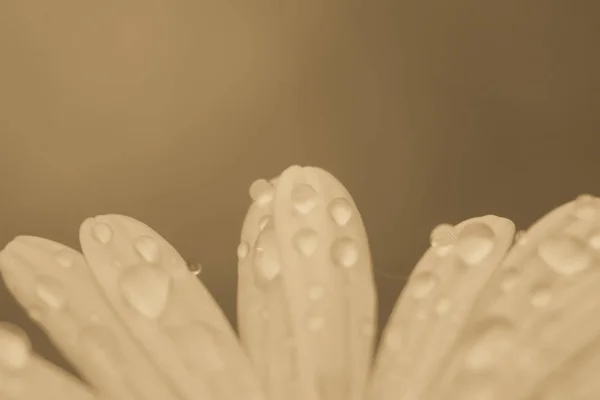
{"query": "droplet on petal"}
(475, 242)
(422, 284)
(565, 255)
(147, 247)
(340, 210)
(102, 232)
(306, 241)
(304, 198)
(15, 347)
(51, 293)
(64, 259)
(262, 191)
(243, 250)
(102, 348)
(345, 252)
(146, 289)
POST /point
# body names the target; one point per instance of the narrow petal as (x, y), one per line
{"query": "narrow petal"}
(167, 310)
(537, 319)
(55, 285)
(25, 376)
(306, 304)
(435, 304)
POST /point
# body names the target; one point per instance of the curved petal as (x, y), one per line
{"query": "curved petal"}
(54, 284)
(306, 303)
(538, 316)
(25, 376)
(167, 310)
(433, 307)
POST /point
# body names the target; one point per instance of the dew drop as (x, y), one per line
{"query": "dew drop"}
(102, 232)
(146, 289)
(586, 207)
(306, 241)
(261, 191)
(443, 306)
(243, 250)
(51, 293)
(340, 210)
(304, 198)
(475, 242)
(15, 347)
(198, 348)
(147, 247)
(194, 266)
(316, 292)
(565, 255)
(263, 222)
(344, 252)
(488, 342)
(64, 259)
(100, 345)
(422, 284)
(267, 264)
(442, 239)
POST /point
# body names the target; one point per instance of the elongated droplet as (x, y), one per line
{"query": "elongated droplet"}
(565, 255)
(475, 242)
(422, 284)
(345, 252)
(340, 210)
(15, 347)
(243, 250)
(146, 289)
(51, 293)
(64, 259)
(267, 263)
(102, 232)
(306, 241)
(147, 247)
(304, 198)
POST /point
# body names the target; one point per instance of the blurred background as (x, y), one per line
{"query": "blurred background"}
(428, 112)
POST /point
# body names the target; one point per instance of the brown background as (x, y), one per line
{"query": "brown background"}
(428, 111)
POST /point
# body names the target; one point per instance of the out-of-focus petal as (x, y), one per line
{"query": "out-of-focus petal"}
(535, 331)
(167, 310)
(435, 304)
(54, 284)
(306, 303)
(25, 376)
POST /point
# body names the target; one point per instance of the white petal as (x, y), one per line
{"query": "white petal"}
(306, 303)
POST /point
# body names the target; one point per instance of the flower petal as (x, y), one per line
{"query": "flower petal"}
(306, 303)
(25, 376)
(54, 284)
(167, 310)
(523, 337)
(434, 305)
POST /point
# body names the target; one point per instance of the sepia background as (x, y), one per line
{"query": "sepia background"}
(428, 112)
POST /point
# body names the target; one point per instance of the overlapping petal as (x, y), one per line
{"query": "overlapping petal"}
(480, 318)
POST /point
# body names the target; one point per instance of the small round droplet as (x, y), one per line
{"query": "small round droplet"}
(243, 250)
(315, 324)
(442, 307)
(64, 259)
(475, 242)
(262, 191)
(306, 241)
(304, 198)
(15, 347)
(316, 292)
(147, 247)
(586, 208)
(102, 232)
(442, 236)
(422, 284)
(565, 255)
(345, 252)
(146, 289)
(100, 345)
(541, 296)
(194, 266)
(51, 293)
(266, 265)
(340, 210)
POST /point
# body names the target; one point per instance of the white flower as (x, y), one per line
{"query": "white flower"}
(475, 321)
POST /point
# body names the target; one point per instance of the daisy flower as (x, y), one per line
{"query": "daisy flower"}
(481, 317)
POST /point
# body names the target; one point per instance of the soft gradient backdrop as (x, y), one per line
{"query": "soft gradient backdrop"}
(428, 111)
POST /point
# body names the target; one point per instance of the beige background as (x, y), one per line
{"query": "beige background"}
(428, 111)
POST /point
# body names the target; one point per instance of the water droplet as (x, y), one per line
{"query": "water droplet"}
(102, 232)
(422, 284)
(510, 277)
(315, 324)
(64, 259)
(442, 235)
(586, 208)
(304, 198)
(565, 255)
(316, 292)
(488, 342)
(194, 266)
(306, 241)
(243, 250)
(443, 306)
(146, 289)
(267, 264)
(147, 247)
(262, 191)
(340, 210)
(263, 222)
(15, 347)
(101, 346)
(345, 252)
(475, 242)
(541, 296)
(198, 347)
(51, 293)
